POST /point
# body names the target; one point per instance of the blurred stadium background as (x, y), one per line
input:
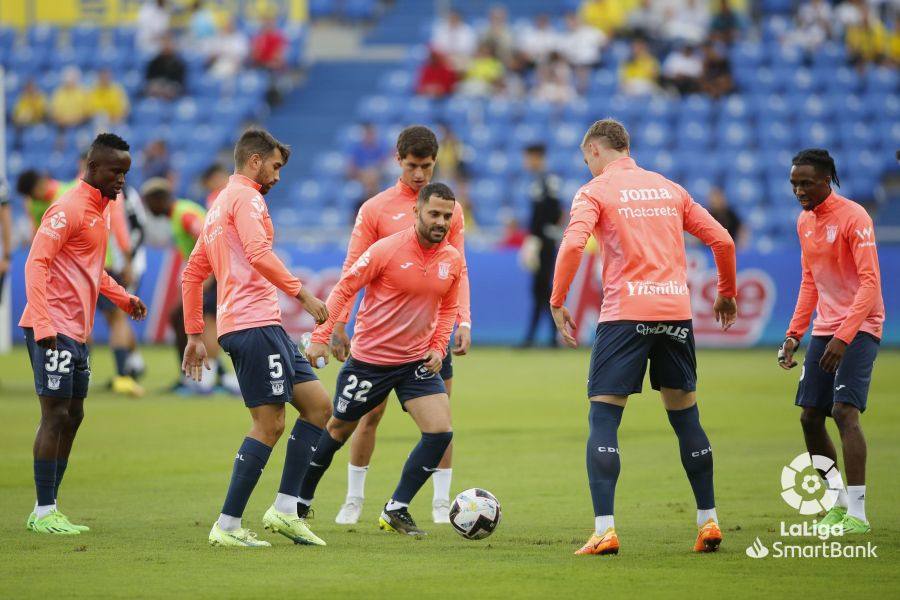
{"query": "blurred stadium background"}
(717, 95)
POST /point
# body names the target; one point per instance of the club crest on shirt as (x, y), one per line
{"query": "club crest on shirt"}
(277, 387)
(53, 381)
(443, 270)
(831, 233)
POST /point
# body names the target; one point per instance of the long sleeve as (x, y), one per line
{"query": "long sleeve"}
(806, 302)
(457, 239)
(258, 249)
(366, 268)
(861, 236)
(450, 306)
(115, 292)
(362, 237)
(699, 223)
(50, 237)
(584, 217)
(195, 273)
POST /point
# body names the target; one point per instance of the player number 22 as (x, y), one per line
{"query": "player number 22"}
(58, 361)
(362, 388)
(275, 368)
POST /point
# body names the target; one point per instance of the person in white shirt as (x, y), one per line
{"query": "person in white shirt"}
(682, 70)
(152, 26)
(689, 24)
(580, 44)
(538, 40)
(455, 39)
(227, 56)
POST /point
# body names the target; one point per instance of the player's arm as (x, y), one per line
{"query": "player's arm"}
(807, 299)
(196, 271)
(129, 304)
(447, 313)
(259, 253)
(584, 217)
(699, 223)
(861, 239)
(457, 239)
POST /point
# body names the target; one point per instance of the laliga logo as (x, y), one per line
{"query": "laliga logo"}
(802, 487)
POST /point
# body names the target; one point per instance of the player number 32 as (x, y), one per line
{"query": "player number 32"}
(58, 361)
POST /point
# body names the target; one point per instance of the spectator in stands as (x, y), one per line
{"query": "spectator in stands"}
(484, 73)
(108, 99)
(717, 80)
(645, 21)
(371, 186)
(848, 14)
(725, 24)
(513, 233)
(867, 40)
(229, 53)
(609, 16)
(538, 40)
(499, 35)
(270, 46)
(155, 161)
(214, 179)
(450, 163)
(202, 28)
(31, 107)
(436, 77)
(368, 154)
(726, 216)
(455, 39)
(69, 106)
(165, 75)
(813, 25)
(688, 23)
(152, 26)
(639, 74)
(892, 47)
(555, 82)
(580, 45)
(682, 70)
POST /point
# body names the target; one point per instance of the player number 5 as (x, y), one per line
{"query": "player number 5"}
(275, 368)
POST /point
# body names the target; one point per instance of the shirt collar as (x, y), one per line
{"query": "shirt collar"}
(827, 205)
(405, 189)
(626, 162)
(93, 194)
(244, 180)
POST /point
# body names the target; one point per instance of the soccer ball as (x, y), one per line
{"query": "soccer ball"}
(475, 514)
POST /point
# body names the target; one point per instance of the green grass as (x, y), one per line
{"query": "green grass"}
(149, 477)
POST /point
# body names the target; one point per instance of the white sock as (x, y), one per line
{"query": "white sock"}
(602, 523)
(43, 511)
(228, 523)
(304, 501)
(705, 515)
(356, 481)
(838, 485)
(856, 494)
(286, 504)
(441, 479)
(842, 500)
(394, 505)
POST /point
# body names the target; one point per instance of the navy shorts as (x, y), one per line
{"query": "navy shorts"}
(361, 387)
(447, 366)
(61, 373)
(850, 385)
(209, 300)
(622, 349)
(267, 363)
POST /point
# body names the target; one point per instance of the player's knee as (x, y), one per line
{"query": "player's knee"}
(76, 416)
(339, 430)
(55, 418)
(369, 424)
(845, 416)
(812, 419)
(441, 439)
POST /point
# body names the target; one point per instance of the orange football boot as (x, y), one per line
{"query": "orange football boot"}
(709, 537)
(608, 543)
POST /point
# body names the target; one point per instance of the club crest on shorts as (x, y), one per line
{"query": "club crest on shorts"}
(443, 270)
(277, 387)
(342, 405)
(53, 381)
(423, 373)
(831, 233)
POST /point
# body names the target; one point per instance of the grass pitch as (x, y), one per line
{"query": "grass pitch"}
(149, 477)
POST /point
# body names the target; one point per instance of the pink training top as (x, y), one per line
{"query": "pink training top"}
(638, 217)
(411, 301)
(64, 270)
(236, 246)
(841, 278)
(390, 212)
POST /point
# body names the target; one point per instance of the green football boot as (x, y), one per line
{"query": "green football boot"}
(853, 525)
(290, 526)
(81, 528)
(240, 538)
(833, 517)
(54, 524)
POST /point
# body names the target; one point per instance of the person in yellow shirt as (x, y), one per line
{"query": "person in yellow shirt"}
(70, 105)
(639, 75)
(108, 99)
(867, 40)
(484, 71)
(607, 15)
(31, 107)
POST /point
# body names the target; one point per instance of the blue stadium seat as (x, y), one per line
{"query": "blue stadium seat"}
(359, 10)
(377, 109)
(25, 60)
(656, 135)
(816, 107)
(696, 107)
(771, 107)
(882, 80)
(855, 135)
(7, 41)
(733, 134)
(604, 82)
(38, 138)
(745, 191)
(488, 193)
(567, 162)
(814, 134)
(85, 37)
(123, 38)
(418, 110)
(661, 161)
(746, 54)
(151, 110)
(322, 8)
(883, 106)
(567, 134)
(42, 37)
(889, 136)
(499, 110)
(848, 106)
(844, 80)
(330, 164)
(398, 82)
(734, 107)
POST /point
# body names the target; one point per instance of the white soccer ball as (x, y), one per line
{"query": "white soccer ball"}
(475, 514)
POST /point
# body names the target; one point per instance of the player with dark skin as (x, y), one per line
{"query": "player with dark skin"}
(811, 187)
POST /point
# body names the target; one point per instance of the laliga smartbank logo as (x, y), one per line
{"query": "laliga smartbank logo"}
(803, 490)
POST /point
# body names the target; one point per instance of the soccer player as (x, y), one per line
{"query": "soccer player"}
(236, 246)
(638, 217)
(412, 281)
(842, 283)
(38, 191)
(385, 214)
(63, 276)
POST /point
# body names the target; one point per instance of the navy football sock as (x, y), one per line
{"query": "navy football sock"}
(121, 357)
(300, 447)
(249, 463)
(696, 454)
(603, 463)
(321, 459)
(422, 462)
(61, 464)
(45, 481)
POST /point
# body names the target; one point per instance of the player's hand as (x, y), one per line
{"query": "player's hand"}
(48, 342)
(317, 354)
(786, 353)
(434, 360)
(340, 342)
(313, 306)
(195, 359)
(463, 341)
(725, 310)
(834, 352)
(564, 321)
(137, 309)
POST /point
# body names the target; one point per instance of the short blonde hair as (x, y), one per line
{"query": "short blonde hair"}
(611, 132)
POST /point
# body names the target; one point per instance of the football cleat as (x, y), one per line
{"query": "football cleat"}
(440, 511)
(708, 538)
(608, 543)
(239, 538)
(53, 523)
(292, 527)
(81, 528)
(305, 511)
(854, 525)
(350, 511)
(399, 521)
(127, 386)
(833, 517)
